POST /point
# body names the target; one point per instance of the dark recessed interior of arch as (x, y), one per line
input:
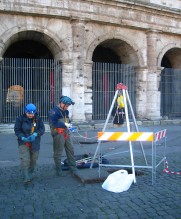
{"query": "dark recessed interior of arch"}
(103, 54)
(28, 49)
(36, 50)
(166, 63)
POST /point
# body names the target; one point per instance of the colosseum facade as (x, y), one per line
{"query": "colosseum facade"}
(143, 34)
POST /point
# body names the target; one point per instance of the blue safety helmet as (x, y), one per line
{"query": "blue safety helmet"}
(30, 108)
(66, 100)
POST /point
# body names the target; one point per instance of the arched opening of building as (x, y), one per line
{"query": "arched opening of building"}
(29, 75)
(170, 84)
(165, 62)
(113, 63)
(105, 55)
(28, 49)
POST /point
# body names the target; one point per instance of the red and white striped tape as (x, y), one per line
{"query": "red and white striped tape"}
(159, 135)
(166, 170)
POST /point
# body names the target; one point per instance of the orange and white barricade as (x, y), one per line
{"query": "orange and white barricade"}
(137, 136)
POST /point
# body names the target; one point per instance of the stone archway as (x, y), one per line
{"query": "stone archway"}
(124, 55)
(169, 50)
(50, 40)
(170, 81)
(29, 49)
(116, 43)
(36, 74)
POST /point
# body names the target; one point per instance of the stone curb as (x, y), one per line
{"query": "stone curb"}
(9, 128)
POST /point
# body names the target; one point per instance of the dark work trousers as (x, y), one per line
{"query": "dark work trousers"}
(61, 141)
(118, 116)
(28, 159)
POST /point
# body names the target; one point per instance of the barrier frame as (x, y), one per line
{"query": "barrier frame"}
(136, 136)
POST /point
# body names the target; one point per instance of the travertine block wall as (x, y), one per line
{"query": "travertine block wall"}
(141, 34)
(168, 3)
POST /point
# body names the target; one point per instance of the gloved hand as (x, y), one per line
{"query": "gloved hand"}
(73, 129)
(31, 138)
(35, 134)
(24, 139)
(68, 125)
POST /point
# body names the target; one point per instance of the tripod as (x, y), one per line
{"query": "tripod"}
(123, 88)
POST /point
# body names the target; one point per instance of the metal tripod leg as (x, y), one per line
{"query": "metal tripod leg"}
(136, 126)
(105, 125)
(130, 144)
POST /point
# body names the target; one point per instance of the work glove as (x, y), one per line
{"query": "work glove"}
(35, 134)
(24, 139)
(68, 125)
(73, 129)
(32, 137)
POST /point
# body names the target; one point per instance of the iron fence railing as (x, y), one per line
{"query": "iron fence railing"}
(24, 81)
(170, 88)
(40, 81)
(106, 76)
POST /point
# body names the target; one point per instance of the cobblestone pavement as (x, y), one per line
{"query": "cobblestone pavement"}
(49, 196)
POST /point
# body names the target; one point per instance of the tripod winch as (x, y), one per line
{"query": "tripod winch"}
(123, 88)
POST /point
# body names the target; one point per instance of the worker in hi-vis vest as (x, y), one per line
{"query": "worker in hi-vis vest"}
(118, 112)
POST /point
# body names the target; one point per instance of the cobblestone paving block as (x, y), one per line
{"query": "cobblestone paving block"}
(49, 196)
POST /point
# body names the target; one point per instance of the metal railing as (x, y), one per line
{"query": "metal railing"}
(170, 88)
(106, 76)
(39, 81)
(24, 81)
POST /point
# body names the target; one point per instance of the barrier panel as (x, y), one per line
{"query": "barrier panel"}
(137, 136)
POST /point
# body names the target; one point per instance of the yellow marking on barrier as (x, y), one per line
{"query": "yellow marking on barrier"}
(115, 135)
(151, 138)
(125, 136)
(134, 136)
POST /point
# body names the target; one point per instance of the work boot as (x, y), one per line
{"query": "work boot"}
(26, 176)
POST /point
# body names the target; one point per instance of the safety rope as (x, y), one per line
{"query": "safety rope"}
(166, 170)
(81, 136)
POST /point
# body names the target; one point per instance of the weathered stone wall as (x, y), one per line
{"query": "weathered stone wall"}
(172, 4)
(139, 31)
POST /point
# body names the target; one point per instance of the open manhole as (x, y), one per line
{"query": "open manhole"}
(137, 172)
